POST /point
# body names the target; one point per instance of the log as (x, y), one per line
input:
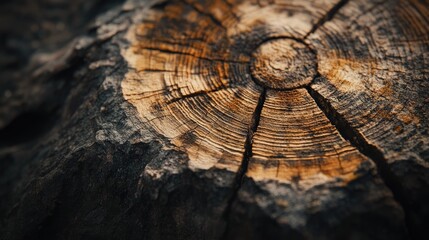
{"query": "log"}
(218, 119)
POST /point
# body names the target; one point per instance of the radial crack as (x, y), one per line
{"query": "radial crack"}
(253, 127)
(358, 141)
(188, 54)
(327, 17)
(196, 94)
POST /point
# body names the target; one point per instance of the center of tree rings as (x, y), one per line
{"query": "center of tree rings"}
(283, 64)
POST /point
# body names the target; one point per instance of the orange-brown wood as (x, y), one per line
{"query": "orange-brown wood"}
(305, 94)
(194, 81)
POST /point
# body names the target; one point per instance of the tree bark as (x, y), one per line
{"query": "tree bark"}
(217, 119)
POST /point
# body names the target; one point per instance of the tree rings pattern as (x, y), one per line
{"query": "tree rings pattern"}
(194, 79)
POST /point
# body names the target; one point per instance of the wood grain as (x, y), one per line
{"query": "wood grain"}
(373, 61)
(283, 64)
(304, 95)
(196, 88)
(296, 143)
(215, 119)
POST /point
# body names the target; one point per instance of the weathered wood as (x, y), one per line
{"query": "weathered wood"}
(375, 78)
(296, 143)
(227, 119)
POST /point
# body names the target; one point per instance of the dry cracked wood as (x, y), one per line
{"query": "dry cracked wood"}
(297, 98)
(296, 143)
(373, 61)
(217, 119)
(203, 100)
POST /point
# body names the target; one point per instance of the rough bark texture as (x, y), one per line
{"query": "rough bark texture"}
(217, 119)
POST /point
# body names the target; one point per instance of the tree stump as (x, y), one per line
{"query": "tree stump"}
(221, 119)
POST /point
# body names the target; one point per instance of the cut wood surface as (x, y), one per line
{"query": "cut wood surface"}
(206, 100)
(233, 119)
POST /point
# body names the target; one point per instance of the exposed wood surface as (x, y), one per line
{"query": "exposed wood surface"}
(224, 119)
(283, 64)
(374, 81)
(296, 143)
(204, 99)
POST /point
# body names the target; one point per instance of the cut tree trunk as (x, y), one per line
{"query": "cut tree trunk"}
(217, 119)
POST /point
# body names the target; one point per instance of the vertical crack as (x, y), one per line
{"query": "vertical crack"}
(253, 127)
(328, 16)
(358, 141)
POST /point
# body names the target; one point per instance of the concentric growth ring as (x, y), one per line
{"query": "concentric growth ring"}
(234, 92)
(283, 63)
(230, 84)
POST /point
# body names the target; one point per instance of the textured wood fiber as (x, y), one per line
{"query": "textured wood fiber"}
(215, 119)
(234, 84)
